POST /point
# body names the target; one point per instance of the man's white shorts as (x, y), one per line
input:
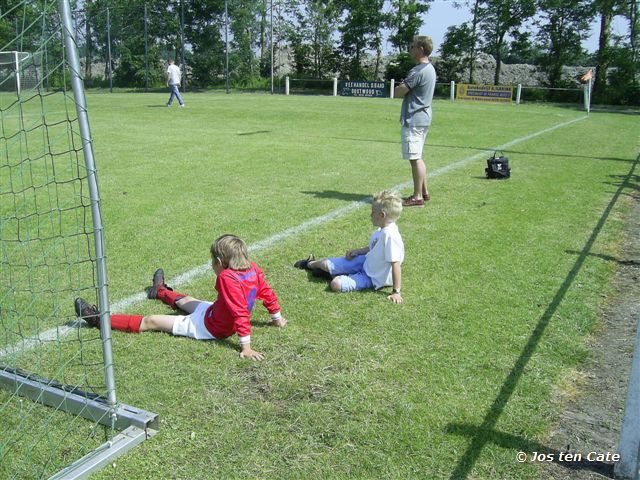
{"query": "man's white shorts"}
(192, 325)
(413, 141)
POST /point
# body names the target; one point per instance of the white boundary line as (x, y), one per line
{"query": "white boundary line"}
(188, 276)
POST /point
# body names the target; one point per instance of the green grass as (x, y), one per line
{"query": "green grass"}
(456, 380)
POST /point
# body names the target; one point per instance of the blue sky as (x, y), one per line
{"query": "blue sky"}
(442, 14)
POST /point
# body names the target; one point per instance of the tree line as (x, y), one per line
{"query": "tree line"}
(323, 38)
(549, 33)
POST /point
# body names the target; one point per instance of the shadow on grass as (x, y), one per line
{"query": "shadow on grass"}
(540, 154)
(225, 342)
(253, 133)
(608, 258)
(368, 140)
(621, 181)
(347, 197)
(355, 139)
(544, 453)
(485, 432)
(619, 110)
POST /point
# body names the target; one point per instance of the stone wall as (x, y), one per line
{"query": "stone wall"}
(513, 74)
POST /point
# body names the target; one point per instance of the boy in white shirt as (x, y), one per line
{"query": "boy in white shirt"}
(375, 266)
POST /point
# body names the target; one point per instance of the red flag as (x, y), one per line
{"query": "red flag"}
(587, 76)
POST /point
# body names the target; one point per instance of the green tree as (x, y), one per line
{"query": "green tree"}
(620, 84)
(17, 32)
(603, 54)
(361, 30)
(125, 29)
(562, 25)
(464, 39)
(245, 28)
(310, 32)
(498, 18)
(456, 52)
(522, 49)
(204, 25)
(404, 20)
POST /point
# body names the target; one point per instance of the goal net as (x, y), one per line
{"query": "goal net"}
(58, 406)
(19, 71)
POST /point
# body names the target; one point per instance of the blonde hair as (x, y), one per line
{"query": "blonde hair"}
(424, 42)
(231, 251)
(389, 203)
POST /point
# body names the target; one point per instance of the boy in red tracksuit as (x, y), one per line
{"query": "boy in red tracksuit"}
(239, 284)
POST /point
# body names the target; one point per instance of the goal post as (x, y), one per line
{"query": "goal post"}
(59, 413)
(19, 71)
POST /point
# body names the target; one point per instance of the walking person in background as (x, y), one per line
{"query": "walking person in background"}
(416, 92)
(174, 75)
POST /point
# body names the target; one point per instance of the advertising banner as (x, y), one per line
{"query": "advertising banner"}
(350, 88)
(484, 93)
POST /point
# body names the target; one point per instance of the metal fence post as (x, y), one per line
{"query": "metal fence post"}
(183, 65)
(519, 94)
(271, 42)
(109, 51)
(335, 86)
(453, 91)
(286, 85)
(146, 49)
(392, 87)
(226, 48)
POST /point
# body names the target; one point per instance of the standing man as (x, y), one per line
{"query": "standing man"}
(173, 82)
(416, 92)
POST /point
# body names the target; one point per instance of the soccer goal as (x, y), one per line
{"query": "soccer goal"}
(19, 71)
(59, 413)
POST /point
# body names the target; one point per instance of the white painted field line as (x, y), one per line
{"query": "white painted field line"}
(267, 243)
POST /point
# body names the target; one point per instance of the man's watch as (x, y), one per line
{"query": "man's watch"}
(395, 290)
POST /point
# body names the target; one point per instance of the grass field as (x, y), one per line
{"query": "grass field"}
(503, 281)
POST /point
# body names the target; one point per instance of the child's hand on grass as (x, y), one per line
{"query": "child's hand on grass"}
(395, 298)
(247, 352)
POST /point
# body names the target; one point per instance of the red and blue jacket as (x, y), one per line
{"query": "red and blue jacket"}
(237, 292)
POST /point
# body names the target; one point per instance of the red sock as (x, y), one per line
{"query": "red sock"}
(126, 323)
(169, 297)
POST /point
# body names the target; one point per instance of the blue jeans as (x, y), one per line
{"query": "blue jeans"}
(175, 92)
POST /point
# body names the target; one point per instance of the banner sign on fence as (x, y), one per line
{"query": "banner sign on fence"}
(484, 93)
(362, 89)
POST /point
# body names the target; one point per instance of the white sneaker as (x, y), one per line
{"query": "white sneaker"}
(182, 106)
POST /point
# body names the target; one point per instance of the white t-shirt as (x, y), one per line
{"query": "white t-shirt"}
(385, 246)
(174, 74)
